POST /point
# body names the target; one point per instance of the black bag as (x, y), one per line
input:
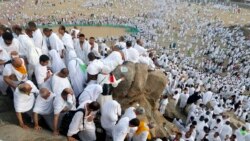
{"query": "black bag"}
(107, 89)
(67, 120)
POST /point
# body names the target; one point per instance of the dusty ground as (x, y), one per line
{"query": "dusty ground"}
(95, 31)
(9, 131)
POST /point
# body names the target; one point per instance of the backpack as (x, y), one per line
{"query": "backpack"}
(67, 120)
(107, 89)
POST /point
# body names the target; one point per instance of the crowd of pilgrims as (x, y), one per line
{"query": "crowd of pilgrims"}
(68, 81)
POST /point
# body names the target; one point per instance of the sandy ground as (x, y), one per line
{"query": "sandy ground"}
(9, 131)
(95, 31)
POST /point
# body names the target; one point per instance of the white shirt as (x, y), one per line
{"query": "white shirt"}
(122, 44)
(212, 138)
(15, 46)
(25, 43)
(23, 102)
(131, 55)
(67, 41)
(113, 60)
(130, 113)
(4, 56)
(82, 51)
(183, 100)
(95, 67)
(55, 42)
(163, 105)
(76, 124)
(121, 129)
(207, 97)
(95, 50)
(58, 84)
(9, 70)
(59, 103)
(38, 38)
(44, 106)
(40, 73)
(110, 112)
(80, 123)
(141, 50)
(225, 130)
(141, 137)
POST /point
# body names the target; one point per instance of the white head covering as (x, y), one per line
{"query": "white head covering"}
(95, 67)
(91, 92)
(110, 112)
(72, 55)
(111, 108)
(105, 70)
(56, 62)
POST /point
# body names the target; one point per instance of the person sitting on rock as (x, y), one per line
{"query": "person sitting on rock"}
(114, 59)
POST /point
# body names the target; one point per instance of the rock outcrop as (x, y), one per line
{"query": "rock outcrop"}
(142, 87)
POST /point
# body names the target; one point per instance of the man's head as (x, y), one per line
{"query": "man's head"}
(91, 56)
(17, 62)
(117, 48)
(233, 137)
(29, 32)
(44, 92)
(91, 40)
(66, 92)
(194, 123)
(25, 88)
(44, 60)
(81, 37)
(178, 135)
(216, 134)
(243, 128)
(32, 26)
(7, 38)
(93, 106)
(185, 90)
(134, 122)
(17, 29)
(2, 29)
(14, 54)
(47, 32)
(64, 73)
(62, 29)
(188, 134)
(202, 118)
(206, 129)
(139, 42)
(129, 44)
(218, 121)
(139, 111)
(121, 39)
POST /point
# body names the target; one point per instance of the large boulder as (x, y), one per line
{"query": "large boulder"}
(143, 87)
